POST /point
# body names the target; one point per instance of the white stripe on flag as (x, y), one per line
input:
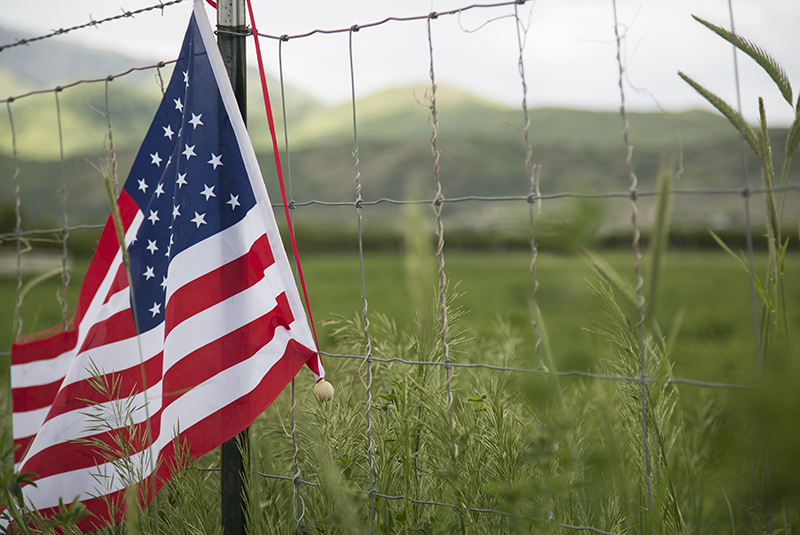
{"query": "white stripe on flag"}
(192, 407)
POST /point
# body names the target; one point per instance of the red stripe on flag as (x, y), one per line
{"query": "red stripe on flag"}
(203, 436)
(232, 419)
(117, 385)
(120, 282)
(74, 455)
(99, 509)
(44, 348)
(235, 347)
(219, 284)
(21, 445)
(34, 397)
(115, 328)
(81, 394)
(107, 249)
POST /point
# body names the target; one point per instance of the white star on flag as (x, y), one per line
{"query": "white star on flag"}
(208, 192)
(156, 159)
(195, 122)
(199, 219)
(215, 160)
(234, 202)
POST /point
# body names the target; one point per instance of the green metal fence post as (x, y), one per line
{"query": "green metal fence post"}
(231, 33)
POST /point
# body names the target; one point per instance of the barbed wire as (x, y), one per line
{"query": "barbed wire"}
(91, 24)
(357, 27)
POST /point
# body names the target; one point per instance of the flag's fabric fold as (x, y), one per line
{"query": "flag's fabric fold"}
(219, 328)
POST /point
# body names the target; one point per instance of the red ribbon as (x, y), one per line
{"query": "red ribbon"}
(278, 167)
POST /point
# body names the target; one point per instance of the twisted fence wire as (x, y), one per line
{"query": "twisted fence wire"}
(637, 265)
(533, 173)
(437, 206)
(437, 210)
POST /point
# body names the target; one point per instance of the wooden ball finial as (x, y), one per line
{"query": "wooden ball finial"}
(323, 390)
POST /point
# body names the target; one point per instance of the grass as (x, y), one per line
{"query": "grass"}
(537, 450)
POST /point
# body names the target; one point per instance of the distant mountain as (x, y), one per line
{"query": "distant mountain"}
(481, 144)
(47, 63)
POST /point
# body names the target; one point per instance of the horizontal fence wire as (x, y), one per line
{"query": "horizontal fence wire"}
(575, 373)
(473, 365)
(534, 198)
(357, 27)
(470, 198)
(91, 24)
(108, 78)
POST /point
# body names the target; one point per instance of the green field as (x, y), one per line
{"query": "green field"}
(552, 451)
(704, 294)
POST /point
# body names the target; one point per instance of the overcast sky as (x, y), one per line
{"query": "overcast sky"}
(569, 58)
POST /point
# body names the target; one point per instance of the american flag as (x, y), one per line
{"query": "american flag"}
(221, 329)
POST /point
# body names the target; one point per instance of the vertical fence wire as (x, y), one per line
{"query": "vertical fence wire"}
(64, 228)
(533, 174)
(295, 460)
(753, 304)
(637, 265)
(17, 221)
(438, 203)
(365, 317)
(746, 197)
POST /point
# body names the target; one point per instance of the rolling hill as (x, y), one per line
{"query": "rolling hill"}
(481, 143)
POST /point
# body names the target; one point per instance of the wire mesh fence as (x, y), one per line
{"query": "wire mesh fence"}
(374, 359)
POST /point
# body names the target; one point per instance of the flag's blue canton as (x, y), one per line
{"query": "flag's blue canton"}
(188, 179)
